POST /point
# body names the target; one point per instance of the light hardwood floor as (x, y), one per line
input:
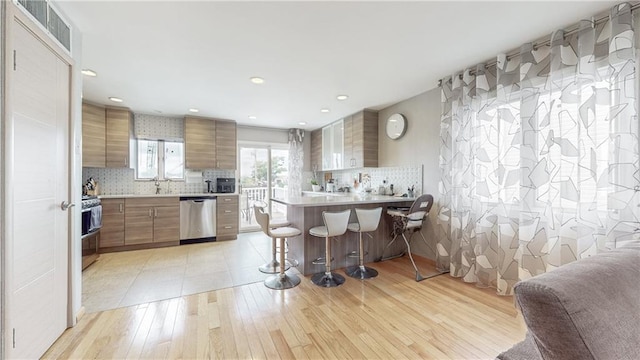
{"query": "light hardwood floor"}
(388, 317)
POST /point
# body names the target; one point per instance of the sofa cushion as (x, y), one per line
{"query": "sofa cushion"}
(588, 309)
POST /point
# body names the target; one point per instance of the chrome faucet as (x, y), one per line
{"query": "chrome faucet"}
(157, 184)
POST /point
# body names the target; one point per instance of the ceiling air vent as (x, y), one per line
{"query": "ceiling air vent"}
(37, 8)
(51, 21)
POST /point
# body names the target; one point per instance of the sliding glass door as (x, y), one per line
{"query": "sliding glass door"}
(263, 175)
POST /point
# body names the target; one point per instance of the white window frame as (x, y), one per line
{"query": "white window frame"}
(161, 160)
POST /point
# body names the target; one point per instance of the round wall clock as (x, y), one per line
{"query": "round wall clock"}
(396, 126)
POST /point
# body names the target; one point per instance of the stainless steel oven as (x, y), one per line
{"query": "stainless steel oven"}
(91, 225)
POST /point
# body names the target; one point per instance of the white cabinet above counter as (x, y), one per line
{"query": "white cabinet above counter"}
(351, 142)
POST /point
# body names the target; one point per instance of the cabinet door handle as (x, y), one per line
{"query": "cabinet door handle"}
(155, 212)
(120, 207)
(227, 199)
(227, 211)
(150, 212)
(227, 227)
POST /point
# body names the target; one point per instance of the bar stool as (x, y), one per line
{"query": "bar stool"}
(368, 220)
(335, 224)
(281, 280)
(273, 266)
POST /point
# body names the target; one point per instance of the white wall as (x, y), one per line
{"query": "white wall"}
(419, 146)
(260, 134)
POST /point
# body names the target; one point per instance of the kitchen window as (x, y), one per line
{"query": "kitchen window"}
(159, 159)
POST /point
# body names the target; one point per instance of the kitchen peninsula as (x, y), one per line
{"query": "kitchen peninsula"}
(305, 212)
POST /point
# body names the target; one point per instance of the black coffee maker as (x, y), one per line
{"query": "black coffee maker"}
(226, 185)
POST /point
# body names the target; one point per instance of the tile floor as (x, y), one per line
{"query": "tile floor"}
(135, 277)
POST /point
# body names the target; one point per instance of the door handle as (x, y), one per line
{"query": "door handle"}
(155, 212)
(65, 205)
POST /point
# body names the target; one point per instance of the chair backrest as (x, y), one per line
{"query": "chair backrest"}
(336, 222)
(419, 209)
(422, 204)
(260, 204)
(368, 219)
(262, 218)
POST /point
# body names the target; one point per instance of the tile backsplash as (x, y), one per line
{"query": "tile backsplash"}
(401, 177)
(115, 181)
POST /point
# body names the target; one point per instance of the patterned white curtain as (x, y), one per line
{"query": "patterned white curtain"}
(539, 156)
(296, 162)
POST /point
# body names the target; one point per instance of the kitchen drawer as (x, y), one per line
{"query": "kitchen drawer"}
(227, 200)
(227, 218)
(147, 202)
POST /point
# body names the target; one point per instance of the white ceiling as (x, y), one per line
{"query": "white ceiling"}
(167, 57)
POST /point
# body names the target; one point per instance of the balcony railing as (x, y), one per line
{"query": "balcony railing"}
(253, 195)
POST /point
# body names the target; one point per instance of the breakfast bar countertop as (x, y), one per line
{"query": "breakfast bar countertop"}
(346, 199)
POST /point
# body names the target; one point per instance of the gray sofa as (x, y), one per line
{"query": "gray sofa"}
(588, 309)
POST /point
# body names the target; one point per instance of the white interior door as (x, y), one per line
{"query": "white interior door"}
(37, 153)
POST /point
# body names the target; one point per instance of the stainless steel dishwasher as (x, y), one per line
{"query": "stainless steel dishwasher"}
(197, 219)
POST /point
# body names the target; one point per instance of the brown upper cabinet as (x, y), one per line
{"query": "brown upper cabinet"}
(93, 136)
(119, 130)
(363, 144)
(106, 133)
(210, 143)
(199, 148)
(359, 145)
(226, 149)
(316, 150)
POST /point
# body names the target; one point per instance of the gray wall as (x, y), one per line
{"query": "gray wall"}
(419, 146)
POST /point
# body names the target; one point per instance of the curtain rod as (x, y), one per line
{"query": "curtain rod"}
(536, 44)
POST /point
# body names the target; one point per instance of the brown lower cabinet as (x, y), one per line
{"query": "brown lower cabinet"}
(112, 232)
(151, 220)
(137, 223)
(227, 217)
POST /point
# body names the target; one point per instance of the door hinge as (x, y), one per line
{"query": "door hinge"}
(14, 60)
(14, 338)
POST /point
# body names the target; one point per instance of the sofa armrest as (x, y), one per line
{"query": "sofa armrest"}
(588, 309)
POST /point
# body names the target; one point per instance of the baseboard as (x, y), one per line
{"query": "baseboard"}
(80, 314)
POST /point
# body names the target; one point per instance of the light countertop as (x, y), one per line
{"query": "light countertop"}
(346, 199)
(162, 195)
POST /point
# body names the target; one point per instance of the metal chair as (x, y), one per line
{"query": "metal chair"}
(273, 266)
(335, 224)
(410, 219)
(281, 280)
(368, 220)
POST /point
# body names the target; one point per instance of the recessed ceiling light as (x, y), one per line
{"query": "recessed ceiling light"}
(342, 97)
(257, 80)
(193, 110)
(115, 99)
(324, 110)
(252, 117)
(302, 123)
(89, 72)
